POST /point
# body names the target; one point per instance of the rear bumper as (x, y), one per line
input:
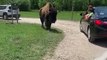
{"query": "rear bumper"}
(99, 33)
(100, 36)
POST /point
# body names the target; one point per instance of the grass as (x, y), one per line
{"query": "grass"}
(26, 41)
(30, 14)
(67, 15)
(64, 15)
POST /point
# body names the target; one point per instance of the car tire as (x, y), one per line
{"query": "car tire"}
(5, 17)
(90, 38)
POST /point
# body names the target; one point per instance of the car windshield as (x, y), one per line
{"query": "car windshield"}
(2, 7)
(101, 12)
(14, 8)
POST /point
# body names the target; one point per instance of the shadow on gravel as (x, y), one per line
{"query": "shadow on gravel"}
(55, 30)
(101, 42)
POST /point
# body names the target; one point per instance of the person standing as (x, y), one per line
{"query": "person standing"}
(89, 12)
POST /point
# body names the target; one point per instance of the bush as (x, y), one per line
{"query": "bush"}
(66, 5)
(41, 3)
(34, 4)
(80, 5)
(58, 4)
(24, 5)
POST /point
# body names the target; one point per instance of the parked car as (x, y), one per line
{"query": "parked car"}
(96, 26)
(7, 11)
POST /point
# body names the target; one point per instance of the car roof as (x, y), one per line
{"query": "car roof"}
(5, 5)
(101, 7)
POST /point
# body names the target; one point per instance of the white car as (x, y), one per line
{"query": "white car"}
(7, 11)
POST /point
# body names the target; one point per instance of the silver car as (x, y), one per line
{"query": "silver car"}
(7, 11)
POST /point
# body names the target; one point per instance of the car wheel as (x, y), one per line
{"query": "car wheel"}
(5, 17)
(90, 38)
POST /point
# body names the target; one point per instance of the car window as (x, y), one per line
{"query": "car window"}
(101, 12)
(2, 7)
(13, 7)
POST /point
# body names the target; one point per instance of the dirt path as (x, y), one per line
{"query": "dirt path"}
(75, 45)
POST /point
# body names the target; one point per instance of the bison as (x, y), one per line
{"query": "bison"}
(48, 15)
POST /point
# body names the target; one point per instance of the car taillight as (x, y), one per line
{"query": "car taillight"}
(98, 22)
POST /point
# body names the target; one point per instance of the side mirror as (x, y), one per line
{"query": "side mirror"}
(9, 7)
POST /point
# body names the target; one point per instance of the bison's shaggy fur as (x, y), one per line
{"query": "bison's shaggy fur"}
(48, 15)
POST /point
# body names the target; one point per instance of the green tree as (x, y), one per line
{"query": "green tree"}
(24, 5)
(41, 3)
(34, 4)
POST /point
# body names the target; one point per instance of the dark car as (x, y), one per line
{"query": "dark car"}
(96, 26)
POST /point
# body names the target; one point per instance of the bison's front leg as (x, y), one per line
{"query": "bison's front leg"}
(42, 20)
(48, 24)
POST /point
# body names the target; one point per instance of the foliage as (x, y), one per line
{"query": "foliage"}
(24, 5)
(60, 4)
(34, 4)
(41, 3)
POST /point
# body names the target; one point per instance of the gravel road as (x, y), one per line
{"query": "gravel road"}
(75, 45)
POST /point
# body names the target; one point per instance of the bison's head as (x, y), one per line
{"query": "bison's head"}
(53, 15)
